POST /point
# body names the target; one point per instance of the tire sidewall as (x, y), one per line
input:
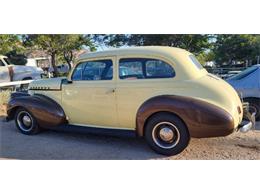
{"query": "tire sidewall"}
(256, 103)
(181, 127)
(35, 128)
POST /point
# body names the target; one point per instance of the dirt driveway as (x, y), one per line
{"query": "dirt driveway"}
(61, 145)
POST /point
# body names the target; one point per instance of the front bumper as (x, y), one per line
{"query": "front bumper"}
(248, 122)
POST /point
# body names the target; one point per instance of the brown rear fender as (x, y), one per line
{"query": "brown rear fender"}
(47, 112)
(201, 118)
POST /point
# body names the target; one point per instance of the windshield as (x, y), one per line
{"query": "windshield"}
(243, 74)
(7, 61)
(195, 62)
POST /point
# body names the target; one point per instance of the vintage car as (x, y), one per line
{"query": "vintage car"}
(161, 93)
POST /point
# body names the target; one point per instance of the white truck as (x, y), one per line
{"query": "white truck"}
(17, 76)
(10, 72)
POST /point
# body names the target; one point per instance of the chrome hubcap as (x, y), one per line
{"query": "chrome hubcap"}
(166, 135)
(25, 121)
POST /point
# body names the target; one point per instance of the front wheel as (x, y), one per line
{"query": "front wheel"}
(26, 122)
(166, 134)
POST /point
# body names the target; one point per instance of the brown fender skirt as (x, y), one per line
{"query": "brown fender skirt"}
(47, 112)
(201, 118)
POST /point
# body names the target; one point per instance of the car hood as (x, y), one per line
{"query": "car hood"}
(47, 84)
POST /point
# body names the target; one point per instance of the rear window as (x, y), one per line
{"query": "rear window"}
(195, 62)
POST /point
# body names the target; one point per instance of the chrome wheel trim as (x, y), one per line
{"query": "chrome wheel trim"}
(25, 121)
(166, 135)
(253, 109)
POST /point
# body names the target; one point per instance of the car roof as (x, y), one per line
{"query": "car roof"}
(179, 57)
(143, 50)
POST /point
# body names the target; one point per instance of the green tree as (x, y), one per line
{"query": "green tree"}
(12, 47)
(58, 44)
(75, 42)
(206, 56)
(230, 49)
(16, 58)
(10, 43)
(195, 43)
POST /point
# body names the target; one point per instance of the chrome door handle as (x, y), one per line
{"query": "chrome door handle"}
(112, 90)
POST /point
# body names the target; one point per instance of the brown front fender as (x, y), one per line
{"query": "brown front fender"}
(47, 112)
(201, 118)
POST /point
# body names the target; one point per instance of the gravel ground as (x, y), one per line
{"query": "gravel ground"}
(61, 145)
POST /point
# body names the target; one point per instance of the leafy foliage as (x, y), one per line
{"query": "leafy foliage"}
(194, 43)
(12, 47)
(10, 43)
(197, 44)
(15, 58)
(230, 49)
(59, 45)
(223, 49)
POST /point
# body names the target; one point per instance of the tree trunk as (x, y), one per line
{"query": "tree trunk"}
(53, 64)
(68, 57)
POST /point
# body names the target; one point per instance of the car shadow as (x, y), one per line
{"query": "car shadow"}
(59, 145)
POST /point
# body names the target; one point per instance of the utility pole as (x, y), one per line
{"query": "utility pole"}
(258, 60)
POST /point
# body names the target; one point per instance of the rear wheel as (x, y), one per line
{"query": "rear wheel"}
(26, 122)
(166, 134)
(254, 106)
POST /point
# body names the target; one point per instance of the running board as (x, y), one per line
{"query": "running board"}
(95, 131)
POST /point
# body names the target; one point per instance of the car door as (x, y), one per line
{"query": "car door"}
(4, 72)
(90, 99)
(139, 79)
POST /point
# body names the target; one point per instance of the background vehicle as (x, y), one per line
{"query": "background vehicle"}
(63, 68)
(247, 84)
(10, 72)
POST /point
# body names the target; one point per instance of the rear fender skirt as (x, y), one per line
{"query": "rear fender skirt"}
(47, 112)
(201, 118)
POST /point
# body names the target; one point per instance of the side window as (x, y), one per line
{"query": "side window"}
(158, 69)
(1, 63)
(144, 68)
(94, 70)
(131, 69)
(77, 74)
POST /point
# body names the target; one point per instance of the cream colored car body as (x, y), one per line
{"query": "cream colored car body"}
(114, 103)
